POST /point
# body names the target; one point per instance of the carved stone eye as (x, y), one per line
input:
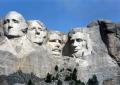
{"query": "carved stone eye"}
(56, 41)
(6, 21)
(79, 40)
(40, 29)
(33, 28)
(44, 36)
(52, 40)
(60, 41)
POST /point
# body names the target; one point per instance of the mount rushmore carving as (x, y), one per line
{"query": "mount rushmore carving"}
(31, 47)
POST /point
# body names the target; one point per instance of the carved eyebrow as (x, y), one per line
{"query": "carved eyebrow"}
(41, 29)
(52, 40)
(31, 28)
(5, 21)
(79, 40)
(14, 20)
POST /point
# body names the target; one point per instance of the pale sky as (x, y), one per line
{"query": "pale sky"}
(63, 15)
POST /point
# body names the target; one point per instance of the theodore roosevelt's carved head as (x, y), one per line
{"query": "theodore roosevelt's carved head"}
(55, 42)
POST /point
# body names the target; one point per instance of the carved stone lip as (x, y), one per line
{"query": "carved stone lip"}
(38, 36)
(57, 50)
(76, 50)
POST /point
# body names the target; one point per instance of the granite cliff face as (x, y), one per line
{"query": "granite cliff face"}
(111, 34)
(92, 50)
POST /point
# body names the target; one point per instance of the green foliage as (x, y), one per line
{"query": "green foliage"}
(72, 82)
(62, 70)
(30, 82)
(78, 82)
(93, 81)
(82, 83)
(74, 74)
(59, 82)
(53, 78)
(57, 76)
(56, 68)
(68, 78)
(70, 70)
(48, 78)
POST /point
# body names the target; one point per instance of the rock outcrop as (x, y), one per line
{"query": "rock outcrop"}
(110, 34)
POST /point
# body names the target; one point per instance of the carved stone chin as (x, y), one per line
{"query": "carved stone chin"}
(14, 24)
(36, 32)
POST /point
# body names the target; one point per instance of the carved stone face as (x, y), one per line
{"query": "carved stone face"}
(36, 32)
(13, 24)
(79, 44)
(54, 44)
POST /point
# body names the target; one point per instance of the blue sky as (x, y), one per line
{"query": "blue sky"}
(63, 15)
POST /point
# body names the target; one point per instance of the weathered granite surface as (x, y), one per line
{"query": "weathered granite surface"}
(110, 34)
(99, 62)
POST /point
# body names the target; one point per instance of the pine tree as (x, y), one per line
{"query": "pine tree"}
(30, 82)
(68, 77)
(74, 74)
(56, 68)
(59, 82)
(93, 81)
(48, 78)
(78, 82)
(82, 83)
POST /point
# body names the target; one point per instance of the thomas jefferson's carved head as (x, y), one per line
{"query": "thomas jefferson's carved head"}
(36, 31)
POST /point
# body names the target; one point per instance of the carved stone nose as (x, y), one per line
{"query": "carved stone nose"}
(37, 33)
(58, 46)
(9, 27)
(75, 43)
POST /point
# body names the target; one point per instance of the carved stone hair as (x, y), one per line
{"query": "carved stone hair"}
(63, 36)
(29, 22)
(75, 30)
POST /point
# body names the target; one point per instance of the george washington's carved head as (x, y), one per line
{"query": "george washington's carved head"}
(14, 24)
